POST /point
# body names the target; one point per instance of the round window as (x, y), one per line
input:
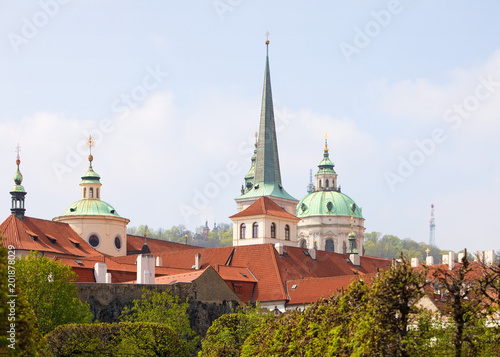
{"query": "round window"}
(94, 240)
(118, 243)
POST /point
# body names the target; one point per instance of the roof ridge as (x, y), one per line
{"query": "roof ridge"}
(276, 268)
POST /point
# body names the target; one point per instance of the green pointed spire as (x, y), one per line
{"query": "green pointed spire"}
(267, 180)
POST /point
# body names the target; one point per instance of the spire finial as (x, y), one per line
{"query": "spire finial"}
(326, 141)
(267, 37)
(427, 251)
(18, 150)
(90, 145)
(256, 136)
(352, 223)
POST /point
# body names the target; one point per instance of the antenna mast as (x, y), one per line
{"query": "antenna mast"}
(432, 224)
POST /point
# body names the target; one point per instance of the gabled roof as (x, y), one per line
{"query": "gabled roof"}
(269, 269)
(264, 206)
(156, 246)
(44, 236)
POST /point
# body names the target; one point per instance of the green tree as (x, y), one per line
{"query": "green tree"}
(47, 285)
(163, 308)
(118, 339)
(227, 334)
(463, 306)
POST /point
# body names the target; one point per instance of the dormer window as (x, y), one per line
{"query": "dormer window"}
(91, 192)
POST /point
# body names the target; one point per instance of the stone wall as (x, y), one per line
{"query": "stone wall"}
(107, 300)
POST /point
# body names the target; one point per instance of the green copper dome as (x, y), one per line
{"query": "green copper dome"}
(328, 203)
(90, 208)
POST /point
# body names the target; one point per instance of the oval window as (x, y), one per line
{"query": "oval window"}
(94, 240)
(118, 242)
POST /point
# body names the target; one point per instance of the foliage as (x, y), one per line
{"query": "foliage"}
(227, 334)
(122, 339)
(46, 284)
(163, 308)
(392, 247)
(360, 321)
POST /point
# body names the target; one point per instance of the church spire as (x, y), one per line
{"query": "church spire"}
(267, 169)
(18, 191)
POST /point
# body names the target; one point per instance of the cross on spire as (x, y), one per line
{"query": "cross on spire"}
(90, 143)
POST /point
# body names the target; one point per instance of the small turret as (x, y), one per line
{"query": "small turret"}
(18, 191)
(326, 178)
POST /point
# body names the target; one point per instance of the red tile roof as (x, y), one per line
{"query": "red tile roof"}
(135, 243)
(270, 270)
(304, 291)
(44, 236)
(179, 278)
(264, 206)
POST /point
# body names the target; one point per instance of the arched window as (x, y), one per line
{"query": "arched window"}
(243, 231)
(273, 230)
(97, 193)
(320, 185)
(327, 183)
(329, 246)
(303, 243)
(84, 192)
(287, 232)
(255, 230)
(91, 192)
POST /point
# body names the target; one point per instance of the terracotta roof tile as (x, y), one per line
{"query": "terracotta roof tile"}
(304, 291)
(264, 206)
(44, 236)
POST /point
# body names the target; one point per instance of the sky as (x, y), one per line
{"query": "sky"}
(408, 92)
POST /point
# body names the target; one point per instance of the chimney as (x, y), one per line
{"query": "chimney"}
(414, 262)
(108, 278)
(355, 260)
(159, 261)
(145, 267)
(429, 260)
(486, 257)
(197, 261)
(451, 260)
(100, 271)
(279, 248)
(312, 253)
(460, 257)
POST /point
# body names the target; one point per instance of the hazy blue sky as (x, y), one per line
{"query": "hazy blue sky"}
(408, 92)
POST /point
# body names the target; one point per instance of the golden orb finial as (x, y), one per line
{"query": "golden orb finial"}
(267, 37)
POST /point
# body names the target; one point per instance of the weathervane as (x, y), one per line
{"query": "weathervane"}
(267, 37)
(90, 143)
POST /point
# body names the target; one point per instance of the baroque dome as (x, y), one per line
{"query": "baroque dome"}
(328, 203)
(90, 207)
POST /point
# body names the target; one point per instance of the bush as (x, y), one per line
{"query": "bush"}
(121, 339)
